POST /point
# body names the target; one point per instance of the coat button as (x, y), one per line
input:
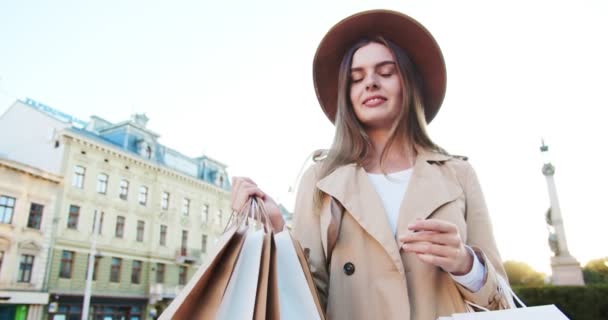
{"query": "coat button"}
(349, 268)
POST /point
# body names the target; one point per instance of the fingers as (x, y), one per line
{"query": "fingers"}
(424, 247)
(242, 189)
(451, 239)
(432, 225)
(437, 242)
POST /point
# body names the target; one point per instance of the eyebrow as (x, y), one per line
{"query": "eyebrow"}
(378, 65)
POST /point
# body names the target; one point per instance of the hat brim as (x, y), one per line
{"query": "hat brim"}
(401, 29)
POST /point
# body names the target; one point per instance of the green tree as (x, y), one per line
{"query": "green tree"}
(596, 271)
(521, 274)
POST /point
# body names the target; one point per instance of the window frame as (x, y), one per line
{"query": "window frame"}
(73, 217)
(143, 196)
(163, 235)
(34, 219)
(186, 206)
(115, 270)
(120, 226)
(204, 242)
(164, 201)
(26, 268)
(183, 275)
(141, 225)
(102, 184)
(123, 191)
(160, 272)
(78, 177)
(136, 267)
(6, 207)
(66, 264)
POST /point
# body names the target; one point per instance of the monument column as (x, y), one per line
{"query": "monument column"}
(566, 269)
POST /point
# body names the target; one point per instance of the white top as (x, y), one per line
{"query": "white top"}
(392, 189)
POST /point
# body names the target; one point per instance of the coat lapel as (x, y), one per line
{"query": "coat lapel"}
(350, 185)
(429, 189)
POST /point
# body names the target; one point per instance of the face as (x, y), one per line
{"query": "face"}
(375, 91)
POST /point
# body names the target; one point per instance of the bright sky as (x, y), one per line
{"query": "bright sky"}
(233, 80)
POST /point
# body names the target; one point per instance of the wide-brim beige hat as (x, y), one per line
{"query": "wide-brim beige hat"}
(401, 29)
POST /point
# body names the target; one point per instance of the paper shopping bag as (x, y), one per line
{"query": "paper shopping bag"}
(548, 312)
(202, 295)
(297, 295)
(239, 299)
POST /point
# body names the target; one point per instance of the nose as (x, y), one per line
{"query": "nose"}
(371, 82)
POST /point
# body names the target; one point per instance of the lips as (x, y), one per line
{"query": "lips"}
(374, 101)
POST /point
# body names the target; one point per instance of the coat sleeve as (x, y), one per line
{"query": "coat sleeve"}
(495, 293)
(307, 230)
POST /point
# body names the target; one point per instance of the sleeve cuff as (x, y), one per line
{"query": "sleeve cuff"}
(475, 278)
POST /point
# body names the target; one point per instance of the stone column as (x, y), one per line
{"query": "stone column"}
(565, 268)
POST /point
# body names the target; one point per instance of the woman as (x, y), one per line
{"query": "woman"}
(393, 226)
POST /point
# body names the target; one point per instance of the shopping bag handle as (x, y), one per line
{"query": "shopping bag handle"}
(253, 209)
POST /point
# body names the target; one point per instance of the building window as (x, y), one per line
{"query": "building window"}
(206, 213)
(163, 235)
(115, 270)
(102, 183)
(136, 271)
(143, 195)
(140, 230)
(160, 273)
(184, 250)
(95, 267)
(204, 244)
(67, 261)
(25, 268)
(100, 222)
(78, 179)
(186, 207)
(7, 207)
(120, 227)
(220, 215)
(148, 152)
(124, 189)
(164, 202)
(33, 221)
(73, 217)
(183, 273)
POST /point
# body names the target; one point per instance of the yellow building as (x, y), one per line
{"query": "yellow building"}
(159, 211)
(27, 205)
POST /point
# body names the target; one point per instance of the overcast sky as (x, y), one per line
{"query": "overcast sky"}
(233, 80)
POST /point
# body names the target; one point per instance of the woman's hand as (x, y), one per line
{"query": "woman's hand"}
(438, 242)
(243, 189)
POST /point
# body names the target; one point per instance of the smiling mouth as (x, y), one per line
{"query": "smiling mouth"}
(374, 101)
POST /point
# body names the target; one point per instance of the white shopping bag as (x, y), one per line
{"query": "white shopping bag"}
(295, 299)
(548, 312)
(239, 297)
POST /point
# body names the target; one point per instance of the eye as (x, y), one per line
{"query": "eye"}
(386, 70)
(356, 77)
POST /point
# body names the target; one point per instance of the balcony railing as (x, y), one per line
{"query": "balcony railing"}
(188, 255)
(159, 291)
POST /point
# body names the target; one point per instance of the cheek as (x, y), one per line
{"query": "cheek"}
(353, 94)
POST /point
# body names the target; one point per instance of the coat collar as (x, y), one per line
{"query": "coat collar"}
(428, 190)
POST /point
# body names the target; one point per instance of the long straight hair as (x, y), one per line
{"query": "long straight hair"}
(351, 143)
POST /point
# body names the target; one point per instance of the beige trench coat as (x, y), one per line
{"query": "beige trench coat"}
(369, 277)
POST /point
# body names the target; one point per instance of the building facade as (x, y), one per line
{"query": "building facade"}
(27, 206)
(158, 211)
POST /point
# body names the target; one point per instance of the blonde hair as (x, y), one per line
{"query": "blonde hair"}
(351, 143)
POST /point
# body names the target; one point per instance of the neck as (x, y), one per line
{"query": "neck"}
(399, 156)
